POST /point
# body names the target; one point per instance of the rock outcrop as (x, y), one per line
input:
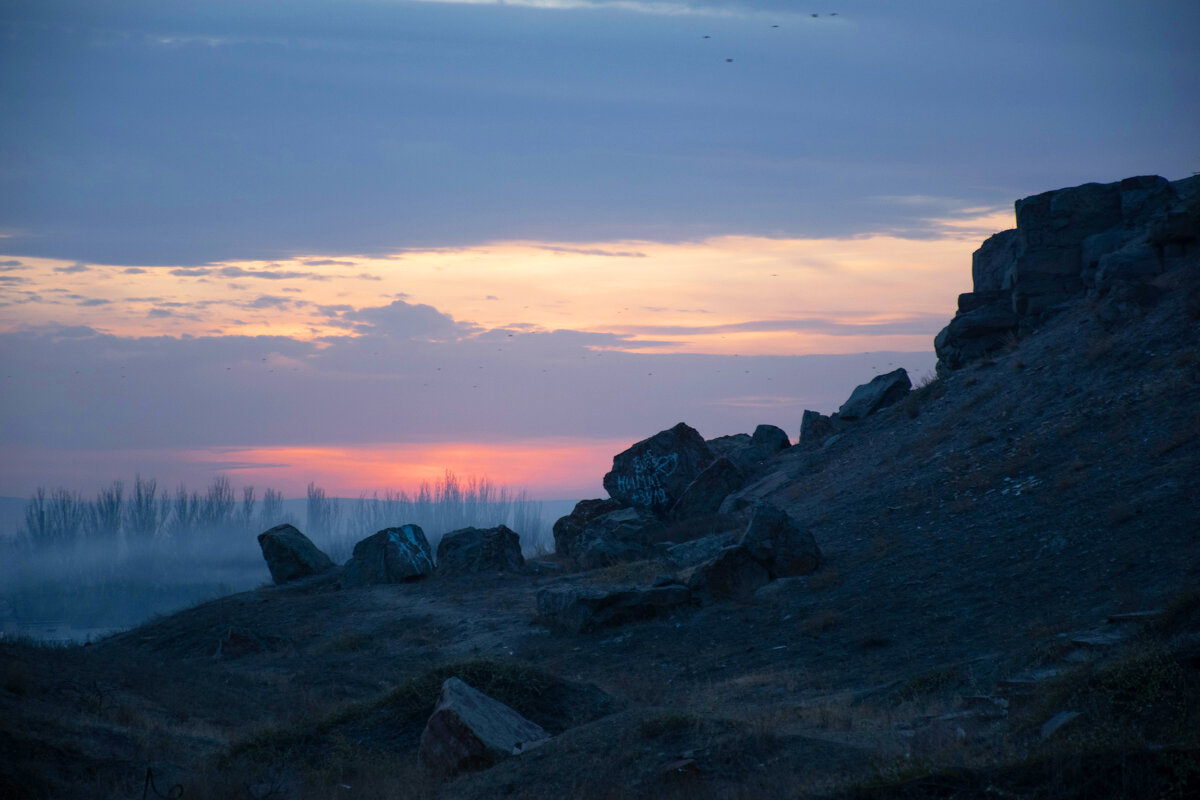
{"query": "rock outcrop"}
(393, 555)
(290, 555)
(1096, 238)
(469, 730)
(480, 550)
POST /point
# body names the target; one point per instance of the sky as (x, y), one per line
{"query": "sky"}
(360, 242)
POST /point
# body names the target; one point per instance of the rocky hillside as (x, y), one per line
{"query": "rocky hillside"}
(983, 586)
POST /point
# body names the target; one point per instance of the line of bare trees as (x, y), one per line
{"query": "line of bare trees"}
(145, 513)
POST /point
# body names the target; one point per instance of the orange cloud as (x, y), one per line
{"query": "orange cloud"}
(619, 286)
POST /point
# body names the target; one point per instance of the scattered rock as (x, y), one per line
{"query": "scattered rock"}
(578, 609)
(743, 501)
(882, 391)
(734, 574)
(726, 445)
(469, 730)
(626, 534)
(770, 438)
(568, 529)
(480, 550)
(393, 555)
(687, 554)
(777, 542)
(291, 555)
(703, 496)
(815, 427)
(976, 332)
(654, 472)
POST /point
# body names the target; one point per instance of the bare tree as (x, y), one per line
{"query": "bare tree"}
(104, 519)
(219, 504)
(185, 513)
(37, 518)
(142, 513)
(246, 514)
(66, 513)
(322, 513)
(271, 512)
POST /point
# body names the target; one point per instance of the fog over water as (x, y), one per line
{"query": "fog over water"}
(88, 588)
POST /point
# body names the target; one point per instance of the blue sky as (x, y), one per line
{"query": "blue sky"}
(346, 154)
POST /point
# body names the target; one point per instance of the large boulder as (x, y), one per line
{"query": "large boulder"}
(574, 609)
(469, 730)
(291, 555)
(653, 473)
(697, 551)
(777, 541)
(495, 549)
(627, 534)
(393, 555)
(733, 574)
(882, 391)
(569, 529)
(703, 496)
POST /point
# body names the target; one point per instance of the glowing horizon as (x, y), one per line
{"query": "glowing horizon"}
(547, 468)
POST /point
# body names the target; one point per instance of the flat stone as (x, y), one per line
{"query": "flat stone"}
(469, 730)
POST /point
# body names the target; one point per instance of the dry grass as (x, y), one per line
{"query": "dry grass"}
(1176, 439)
(821, 622)
(1100, 346)
(825, 578)
(1120, 513)
(630, 572)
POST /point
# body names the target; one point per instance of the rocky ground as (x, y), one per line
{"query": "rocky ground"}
(1006, 605)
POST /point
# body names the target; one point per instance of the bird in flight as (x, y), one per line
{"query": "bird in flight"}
(729, 61)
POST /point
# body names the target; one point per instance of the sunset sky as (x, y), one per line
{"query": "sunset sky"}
(360, 242)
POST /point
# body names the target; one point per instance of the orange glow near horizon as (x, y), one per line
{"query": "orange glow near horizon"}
(672, 296)
(547, 467)
(551, 468)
